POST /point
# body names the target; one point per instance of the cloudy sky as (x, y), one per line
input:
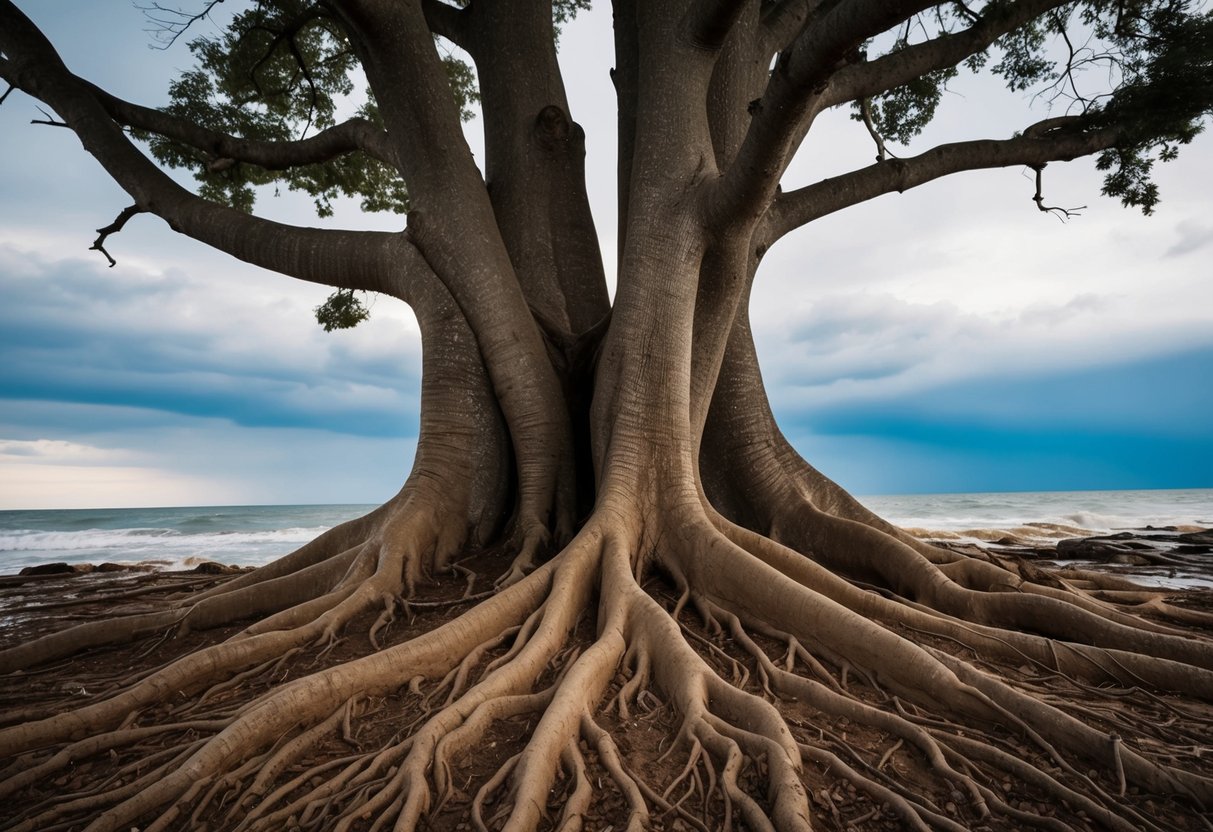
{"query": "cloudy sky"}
(949, 339)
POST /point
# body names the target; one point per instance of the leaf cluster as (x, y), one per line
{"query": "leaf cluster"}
(1153, 84)
(1166, 97)
(280, 71)
(342, 310)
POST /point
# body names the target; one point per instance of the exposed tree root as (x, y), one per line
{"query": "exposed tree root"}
(788, 699)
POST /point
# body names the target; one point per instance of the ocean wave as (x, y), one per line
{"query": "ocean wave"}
(32, 540)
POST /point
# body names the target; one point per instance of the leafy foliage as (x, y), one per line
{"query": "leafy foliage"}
(342, 310)
(1165, 99)
(280, 71)
(1153, 84)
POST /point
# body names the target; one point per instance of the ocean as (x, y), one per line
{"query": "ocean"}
(180, 538)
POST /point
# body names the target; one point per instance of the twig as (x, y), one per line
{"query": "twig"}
(48, 121)
(1062, 214)
(865, 110)
(169, 30)
(113, 228)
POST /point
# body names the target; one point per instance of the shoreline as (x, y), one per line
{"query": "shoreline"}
(1181, 554)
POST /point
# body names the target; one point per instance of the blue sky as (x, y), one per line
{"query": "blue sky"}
(949, 339)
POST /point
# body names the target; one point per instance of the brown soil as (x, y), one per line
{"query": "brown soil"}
(33, 605)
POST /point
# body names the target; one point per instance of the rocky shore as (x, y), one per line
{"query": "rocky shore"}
(1166, 557)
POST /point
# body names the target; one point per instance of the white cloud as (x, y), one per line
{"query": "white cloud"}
(52, 452)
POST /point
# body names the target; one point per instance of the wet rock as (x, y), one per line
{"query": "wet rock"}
(209, 567)
(1204, 537)
(51, 569)
(113, 567)
(1100, 548)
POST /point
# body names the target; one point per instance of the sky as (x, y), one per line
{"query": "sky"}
(950, 339)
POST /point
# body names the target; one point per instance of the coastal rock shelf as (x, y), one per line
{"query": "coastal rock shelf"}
(1167, 557)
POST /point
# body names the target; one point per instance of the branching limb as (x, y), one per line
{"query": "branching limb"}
(1062, 214)
(869, 78)
(113, 228)
(306, 253)
(794, 95)
(173, 23)
(799, 207)
(330, 143)
(49, 121)
(447, 21)
(865, 110)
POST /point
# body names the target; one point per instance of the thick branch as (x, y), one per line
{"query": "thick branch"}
(446, 21)
(347, 137)
(783, 20)
(335, 258)
(903, 66)
(794, 95)
(796, 208)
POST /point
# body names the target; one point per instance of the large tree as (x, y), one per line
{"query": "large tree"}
(657, 545)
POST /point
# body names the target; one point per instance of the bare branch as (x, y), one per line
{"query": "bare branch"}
(113, 228)
(1062, 214)
(865, 110)
(49, 121)
(344, 259)
(1042, 143)
(6, 92)
(172, 23)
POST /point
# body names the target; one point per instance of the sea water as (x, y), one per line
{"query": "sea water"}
(179, 538)
(169, 538)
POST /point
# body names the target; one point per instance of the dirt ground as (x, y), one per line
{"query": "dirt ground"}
(32, 605)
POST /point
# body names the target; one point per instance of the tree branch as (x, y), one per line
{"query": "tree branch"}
(783, 20)
(1034, 148)
(1062, 214)
(340, 139)
(794, 95)
(174, 22)
(49, 121)
(864, 80)
(446, 21)
(344, 259)
(113, 228)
